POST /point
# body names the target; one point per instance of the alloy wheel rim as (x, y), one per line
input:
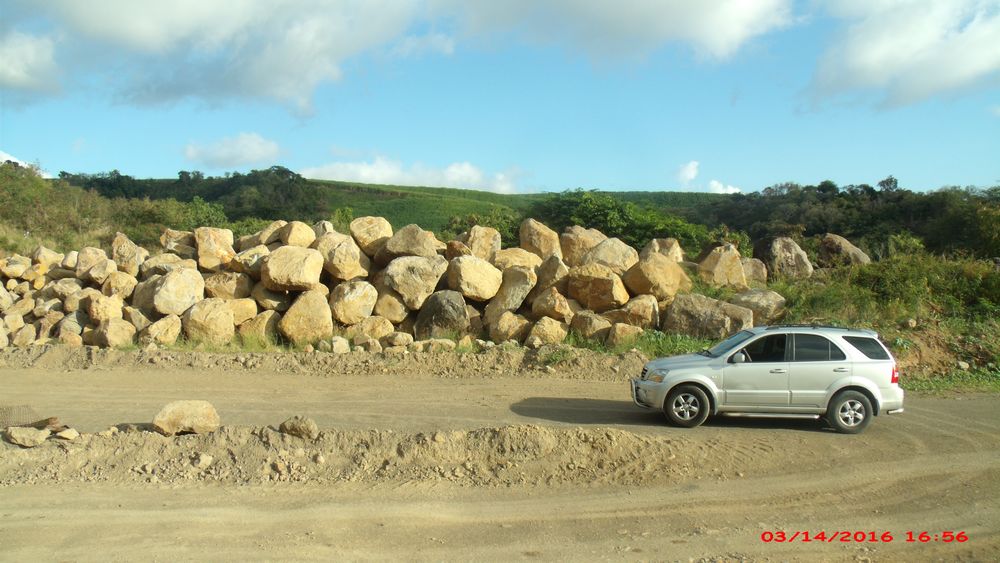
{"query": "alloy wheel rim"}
(686, 406)
(852, 413)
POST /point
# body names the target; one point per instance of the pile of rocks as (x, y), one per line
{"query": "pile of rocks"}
(378, 288)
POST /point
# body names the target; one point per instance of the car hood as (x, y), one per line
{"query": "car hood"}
(678, 362)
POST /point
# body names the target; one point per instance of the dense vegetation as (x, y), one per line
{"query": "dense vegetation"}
(930, 249)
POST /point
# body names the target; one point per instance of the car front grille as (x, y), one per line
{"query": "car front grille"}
(644, 372)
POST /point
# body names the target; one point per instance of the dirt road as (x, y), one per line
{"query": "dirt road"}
(512, 467)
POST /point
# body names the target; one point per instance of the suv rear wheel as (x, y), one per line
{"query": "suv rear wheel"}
(686, 406)
(849, 412)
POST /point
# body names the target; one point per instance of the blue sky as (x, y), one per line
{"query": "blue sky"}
(515, 96)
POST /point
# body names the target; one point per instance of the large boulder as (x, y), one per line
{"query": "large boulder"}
(576, 241)
(47, 257)
(268, 235)
(308, 320)
(411, 240)
(261, 329)
(250, 261)
(443, 315)
(723, 266)
(198, 417)
(516, 257)
(171, 240)
(104, 308)
(835, 250)
(783, 258)
(668, 247)
(271, 300)
(163, 332)
(114, 333)
(415, 278)
(243, 310)
(657, 275)
(509, 326)
(121, 284)
(389, 303)
(374, 328)
(24, 336)
(26, 437)
(215, 247)
(72, 285)
(163, 264)
(87, 258)
(590, 325)
(342, 257)
(474, 278)
(228, 285)
(176, 291)
(547, 331)
(296, 233)
(551, 303)
(551, 274)
(352, 302)
(754, 270)
(538, 239)
(455, 249)
(612, 253)
(371, 233)
(704, 317)
(596, 287)
(484, 242)
(517, 283)
(642, 311)
(623, 334)
(767, 306)
(127, 255)
(209, 321)
(292, 268)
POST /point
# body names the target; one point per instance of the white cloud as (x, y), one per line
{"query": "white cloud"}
(910, 50)
(717, 187)
(27, 62)
(5, 156)
(716, 28)
(416, 45)
(687, 173)
(995, 110)
(243, 149)
(384, 170)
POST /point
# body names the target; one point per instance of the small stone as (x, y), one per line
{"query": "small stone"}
(964, 366)
(202, 461)
(199, 417)
(302, 427)
(68, 434)
(318, 459)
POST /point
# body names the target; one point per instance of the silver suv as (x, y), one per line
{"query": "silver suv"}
(846, 375)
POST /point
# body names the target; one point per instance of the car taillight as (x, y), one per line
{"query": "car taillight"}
(895, 375)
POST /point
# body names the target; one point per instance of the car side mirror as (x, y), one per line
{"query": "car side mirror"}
(738, 358)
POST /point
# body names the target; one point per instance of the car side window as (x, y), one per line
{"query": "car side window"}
(771, 348)
(815, 348)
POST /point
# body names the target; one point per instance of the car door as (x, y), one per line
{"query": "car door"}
(816, 362)
(763, 379)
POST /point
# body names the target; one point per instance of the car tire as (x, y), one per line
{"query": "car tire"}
(686, 406)
(849, 412)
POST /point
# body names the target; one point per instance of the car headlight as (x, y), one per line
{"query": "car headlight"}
(656, 377)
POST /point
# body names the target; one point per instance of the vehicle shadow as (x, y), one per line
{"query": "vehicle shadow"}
(797, 424)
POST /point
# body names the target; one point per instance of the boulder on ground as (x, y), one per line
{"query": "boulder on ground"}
(389, 303)
(69, 262)
(47, 257)
(767, 306)
(260, 329)
(642, 311)
(538, 239)
(320, 228)
(576, 241)
(6, 299)
(127, 255)
(269, 234)
(104, 308)
(250, 261)
(414, 278)
(516, 285)
(397, 339)
(622, 334)
(114, 333)
(164, 332)
(484, 242)
(296, 233)
(87, 258)
(455, 249)
(271, 300)
(374, 328)
(754, 270)
(548, 331)
(509, 326)
(198, 417)
(120, 284)
(612, 253)
(443, 315)
(657, 275)
(552, 304)
(342, 257)
(135, 316)
(783, 258)
(228, 285)
(171, 239)
(371, 234)
(177, 291)
(835, 250)
(292, 268)
(596, 287)
(163, 264)
(352, 302)
(590, 325)
(308, 320)
(411, 240)
(474, 278)
(209, 321)
(552, 273)
(668, 247)
(723, 266)
(340, 345)
(215, 247)
(25, 336)
(300, 427)
(4, 339)
(704, 317)
(26, 436)
(243, 310)
(516, 257)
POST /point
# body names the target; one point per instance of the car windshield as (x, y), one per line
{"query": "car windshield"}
(727, 344)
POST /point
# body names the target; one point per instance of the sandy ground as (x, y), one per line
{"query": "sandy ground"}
(465, 463)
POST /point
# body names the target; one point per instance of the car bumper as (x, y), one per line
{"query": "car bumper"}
(892, 401)
(646, 394)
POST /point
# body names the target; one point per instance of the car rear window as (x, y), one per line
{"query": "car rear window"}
(868, 346)
(813, 348)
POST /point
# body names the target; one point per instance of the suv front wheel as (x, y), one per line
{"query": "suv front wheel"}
(849, 412)
(686, 405)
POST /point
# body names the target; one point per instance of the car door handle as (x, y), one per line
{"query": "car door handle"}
(841, 370)
(779, 370)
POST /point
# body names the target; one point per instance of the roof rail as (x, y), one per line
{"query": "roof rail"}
(775, 327)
